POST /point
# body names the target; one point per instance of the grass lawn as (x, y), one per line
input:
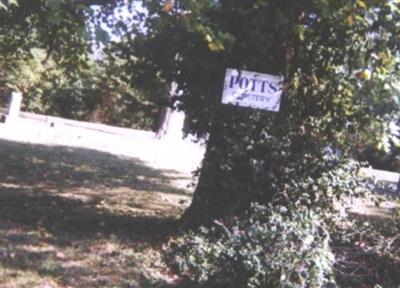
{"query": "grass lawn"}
(73, 217)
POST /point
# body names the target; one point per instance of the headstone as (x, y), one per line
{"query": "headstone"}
(173, 120)
(14, 108)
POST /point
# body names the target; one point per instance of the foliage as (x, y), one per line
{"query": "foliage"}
(40, 35)
(27, 73)
(101, 93)
(267, 249)
(367, 251)
(57, 27)
(385, 154)
(5, 4)
(340, 60)
(46, 51)
(284, 244)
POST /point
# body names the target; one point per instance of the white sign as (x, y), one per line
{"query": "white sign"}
(252, 89)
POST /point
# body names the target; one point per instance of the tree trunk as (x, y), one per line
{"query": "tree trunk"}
(212, 199)
(227, 183)
(234, 174)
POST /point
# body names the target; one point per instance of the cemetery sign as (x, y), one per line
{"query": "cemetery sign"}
(252, 89)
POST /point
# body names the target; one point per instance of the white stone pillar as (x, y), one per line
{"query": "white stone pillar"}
(14, 107)
(15, 104)
(174, 120)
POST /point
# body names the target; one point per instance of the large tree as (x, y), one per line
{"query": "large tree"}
(340, 61)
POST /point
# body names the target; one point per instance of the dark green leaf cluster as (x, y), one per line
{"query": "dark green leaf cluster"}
(57, 27)
(268, 249)
(284, 244)
(101, 93)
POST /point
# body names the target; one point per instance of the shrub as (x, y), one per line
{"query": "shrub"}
(269, 248)
(283, 244)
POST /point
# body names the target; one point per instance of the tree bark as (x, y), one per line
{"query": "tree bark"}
(221, 191)
(224, 192)
(210, 198)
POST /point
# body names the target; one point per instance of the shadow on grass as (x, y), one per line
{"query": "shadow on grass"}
(81, 217)
(73, 219)
(64, 167)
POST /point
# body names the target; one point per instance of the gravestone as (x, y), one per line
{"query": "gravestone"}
(14, 107)
(173, 120)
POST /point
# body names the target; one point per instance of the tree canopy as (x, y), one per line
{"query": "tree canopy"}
(340, 60)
